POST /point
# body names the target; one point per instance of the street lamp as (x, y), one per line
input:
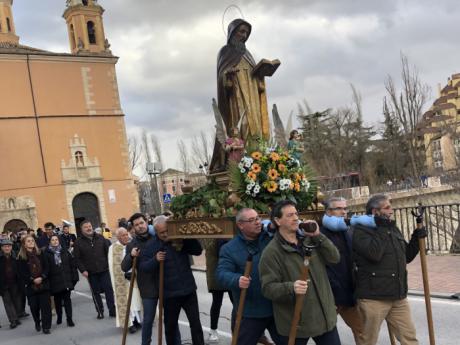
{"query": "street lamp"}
(154, 169)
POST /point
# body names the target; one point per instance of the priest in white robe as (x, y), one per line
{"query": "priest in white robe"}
(121, 284)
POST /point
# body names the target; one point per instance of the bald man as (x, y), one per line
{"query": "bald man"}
(120, 285)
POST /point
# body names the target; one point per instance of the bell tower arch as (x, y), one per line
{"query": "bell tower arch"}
(85, 27)
(7, 28)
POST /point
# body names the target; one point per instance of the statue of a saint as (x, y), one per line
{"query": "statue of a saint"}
(234, 145)
(295, 145)
(241, 89)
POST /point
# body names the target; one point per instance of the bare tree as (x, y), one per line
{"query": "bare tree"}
(183, 156)
(145, 143)
(407, 106)
(200, 149)
(157, 149)
(135, 148)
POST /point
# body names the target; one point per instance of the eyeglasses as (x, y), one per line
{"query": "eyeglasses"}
(251, 220)
(339, 209)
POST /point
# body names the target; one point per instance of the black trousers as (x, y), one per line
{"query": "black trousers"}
(12, 302)
(100, 283)
(217, 299)
(172, 308)
(40, 308)
(63, 299)
(251, 329)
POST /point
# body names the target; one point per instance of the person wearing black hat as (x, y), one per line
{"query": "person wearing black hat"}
(9, 283)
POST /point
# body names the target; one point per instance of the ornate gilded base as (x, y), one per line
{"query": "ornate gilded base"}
(202, 228)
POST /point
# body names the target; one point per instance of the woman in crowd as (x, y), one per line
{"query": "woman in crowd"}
(62, 276)
(33, 270)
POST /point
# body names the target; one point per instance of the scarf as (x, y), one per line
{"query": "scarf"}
(57, 254)
(35, 265)
(334, 223)
(366, 220)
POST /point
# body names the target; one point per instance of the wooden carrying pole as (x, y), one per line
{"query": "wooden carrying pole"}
(160, 302)
(298, 304)
(426, 286)
(130, 297)
(239, 314)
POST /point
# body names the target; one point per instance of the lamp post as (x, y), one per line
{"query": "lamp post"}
(154, 169)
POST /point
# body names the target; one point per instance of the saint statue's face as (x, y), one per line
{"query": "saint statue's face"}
(241, 33)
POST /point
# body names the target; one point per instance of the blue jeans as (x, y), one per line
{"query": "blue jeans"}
(150, 306)
(328, 338)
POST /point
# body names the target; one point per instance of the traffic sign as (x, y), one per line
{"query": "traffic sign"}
(167, 198)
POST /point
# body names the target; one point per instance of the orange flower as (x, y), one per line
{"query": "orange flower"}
(297, 187)
(273, 174)
(274, 156)
(256, 168)
(252, 175)
(256, 155)
(291, 186)
(281, 167)
(272, 186)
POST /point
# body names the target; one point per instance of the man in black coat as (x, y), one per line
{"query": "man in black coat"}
(91, 251)
(179, 283)
(381, 254)
(340, 274)
(10, 287)
(44, 240)
(67, 238)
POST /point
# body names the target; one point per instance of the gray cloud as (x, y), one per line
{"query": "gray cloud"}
(168, 49)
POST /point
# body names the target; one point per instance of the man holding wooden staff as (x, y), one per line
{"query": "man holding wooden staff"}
(280, 267)
(381, 255)
(257, 314)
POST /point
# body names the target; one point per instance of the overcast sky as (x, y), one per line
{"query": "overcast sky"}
(168, 48)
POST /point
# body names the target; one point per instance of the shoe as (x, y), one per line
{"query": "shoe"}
(38, 328)
(14, 324)
(70, 323)
(132, 329)
(59, 319)
(112, 313)
(100, 316)
(23, 315)
(137, 324)
(264, 340)
(213, 336)
(46, 331)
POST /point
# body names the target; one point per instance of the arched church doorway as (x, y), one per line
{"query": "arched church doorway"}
(86, 206)
(15, 225)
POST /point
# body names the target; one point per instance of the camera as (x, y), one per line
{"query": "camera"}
(308, 227)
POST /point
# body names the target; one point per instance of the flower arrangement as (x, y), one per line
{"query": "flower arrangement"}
(267, 174)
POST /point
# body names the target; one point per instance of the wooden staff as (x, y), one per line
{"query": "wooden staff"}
(130, 296)
(239, 314)
(299, 300)
(426, 284)
(160, 300)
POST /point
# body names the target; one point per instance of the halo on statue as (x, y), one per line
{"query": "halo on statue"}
(227, 10)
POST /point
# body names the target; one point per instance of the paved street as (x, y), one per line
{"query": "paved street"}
(89, 331)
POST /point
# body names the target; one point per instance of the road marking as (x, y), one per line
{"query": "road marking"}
(435, 300)
(183, 323)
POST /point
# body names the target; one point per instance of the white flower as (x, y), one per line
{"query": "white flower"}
(248, 192)
(248, 187)
(240, 165)
(256, 188)
(242, 171)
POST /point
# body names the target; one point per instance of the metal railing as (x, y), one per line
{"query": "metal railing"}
(441, 222)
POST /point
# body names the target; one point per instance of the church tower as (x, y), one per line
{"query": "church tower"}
(85, 27)
(7, 29)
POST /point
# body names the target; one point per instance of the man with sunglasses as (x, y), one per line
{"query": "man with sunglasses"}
(380, 255)
(335, 227)
(251, 241)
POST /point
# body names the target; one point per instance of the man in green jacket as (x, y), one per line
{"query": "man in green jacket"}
(280, 268)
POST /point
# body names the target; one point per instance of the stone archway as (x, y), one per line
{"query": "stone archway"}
(15, 225)
(86, 206)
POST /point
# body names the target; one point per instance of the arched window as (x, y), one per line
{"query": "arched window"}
(11, 203)
(85, 2)
(79, 158)
(91, 32)
(8, 24)
(72, 38)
